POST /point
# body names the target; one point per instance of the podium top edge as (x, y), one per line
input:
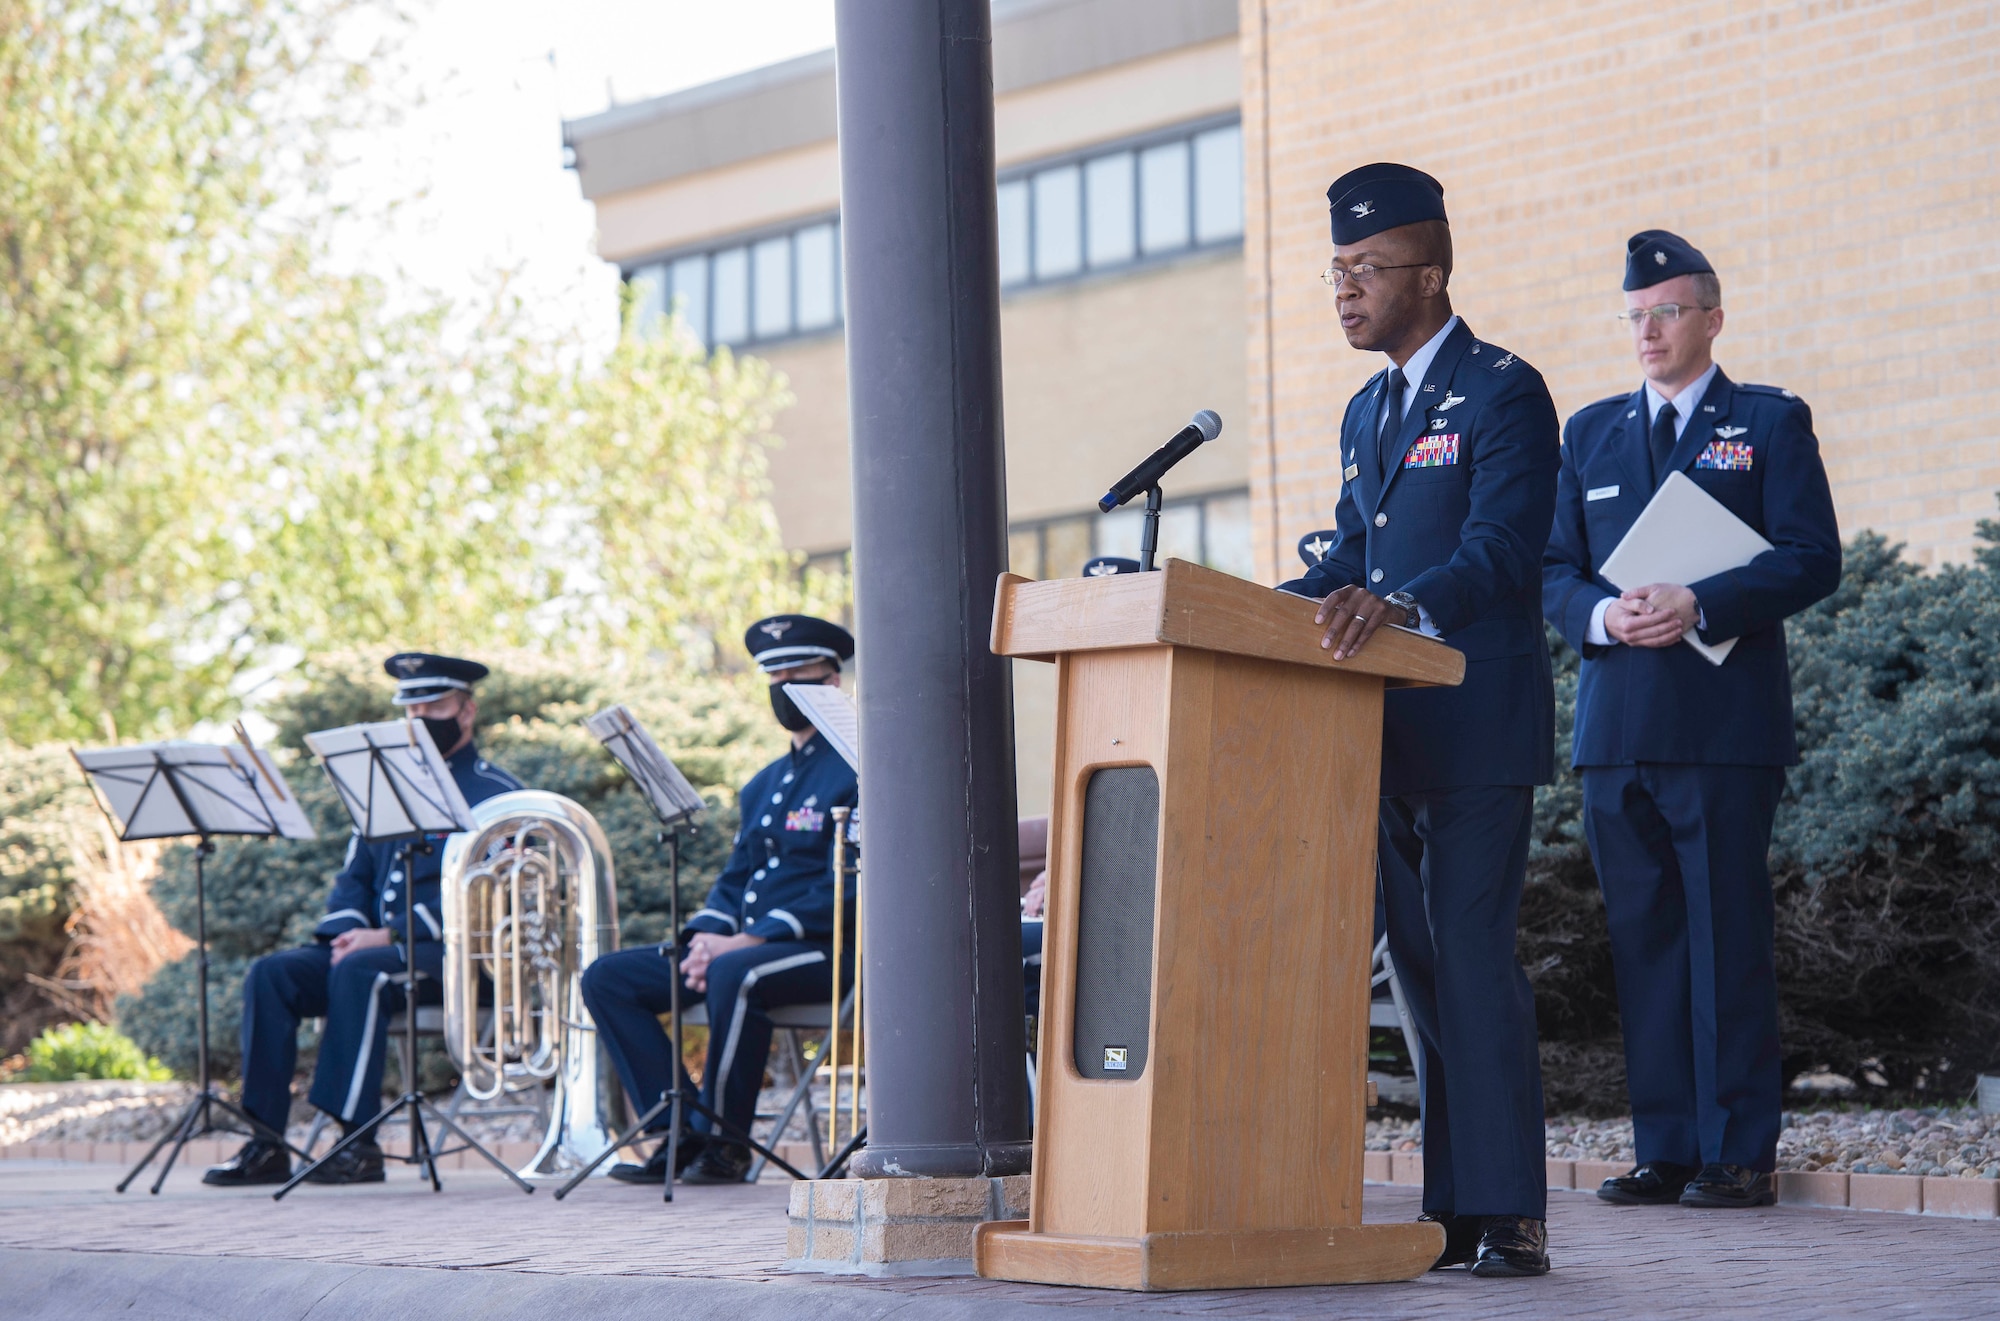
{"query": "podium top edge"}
(1189, 605)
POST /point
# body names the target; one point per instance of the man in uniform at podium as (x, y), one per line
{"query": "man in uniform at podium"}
(1683, 760)
(344, 975)
(1448, 465)
(763, 938)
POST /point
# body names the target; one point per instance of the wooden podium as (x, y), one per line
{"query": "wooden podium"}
(1210, 919)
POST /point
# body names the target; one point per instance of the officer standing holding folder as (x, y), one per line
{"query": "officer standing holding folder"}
(1682, 759)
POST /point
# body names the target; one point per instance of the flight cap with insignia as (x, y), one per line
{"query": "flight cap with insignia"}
(1382, 196)
(782, 641)
(1653, 255)
(422, 677)
(1106, 566)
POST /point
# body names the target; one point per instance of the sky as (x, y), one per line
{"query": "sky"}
(474, 163)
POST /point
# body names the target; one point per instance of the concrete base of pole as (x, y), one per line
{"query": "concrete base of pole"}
(884, 1227)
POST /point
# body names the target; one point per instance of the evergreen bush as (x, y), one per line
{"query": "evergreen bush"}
(1885, 855)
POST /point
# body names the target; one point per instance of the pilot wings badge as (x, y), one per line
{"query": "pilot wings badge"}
(1450, 401)
(1729, 433)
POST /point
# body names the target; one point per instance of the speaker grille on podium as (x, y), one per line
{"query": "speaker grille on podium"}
(1114, 931)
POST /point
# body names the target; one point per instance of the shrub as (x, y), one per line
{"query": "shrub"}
(1885, 854)
(268, 895)
(89, 1050)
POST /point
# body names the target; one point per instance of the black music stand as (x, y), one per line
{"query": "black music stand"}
(676, 804)
(168, 790)
(396, 786)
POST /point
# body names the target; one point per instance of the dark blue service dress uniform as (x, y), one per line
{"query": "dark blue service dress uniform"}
(778, 885)
(1453, 505)
(1683, 761)
(355, 996)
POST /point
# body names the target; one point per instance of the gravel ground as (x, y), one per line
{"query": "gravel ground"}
(140, 1112)
(1937, 1141)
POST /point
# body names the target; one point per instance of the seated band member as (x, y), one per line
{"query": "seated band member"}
(763, 938)
(344, 975)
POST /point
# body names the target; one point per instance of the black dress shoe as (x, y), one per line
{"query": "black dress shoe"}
(1728, 1186)
(1461, 1237)
(655, 1168)
(719, 1162)
(257, 1162)
(360, 1163)
(1512, 1245)
(1656, 1183)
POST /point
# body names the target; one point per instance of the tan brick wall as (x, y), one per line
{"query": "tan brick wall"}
(1837, 162)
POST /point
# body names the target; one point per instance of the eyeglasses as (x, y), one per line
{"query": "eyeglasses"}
(1336, 277)
(1661, 313)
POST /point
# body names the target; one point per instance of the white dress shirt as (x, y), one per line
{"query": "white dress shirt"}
(1684, 406)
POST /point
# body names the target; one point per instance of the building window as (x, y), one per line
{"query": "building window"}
(1178, 190)
(773, 287)
(1162, 194)
(1211, 529)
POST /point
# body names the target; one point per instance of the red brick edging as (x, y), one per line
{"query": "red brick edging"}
(1969, 1199)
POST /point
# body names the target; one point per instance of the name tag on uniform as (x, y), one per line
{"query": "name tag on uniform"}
(1601, 493)
(1350, 472)
(1727, 456)
(1433, 452)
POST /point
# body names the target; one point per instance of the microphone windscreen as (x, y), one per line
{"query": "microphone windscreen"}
(1208, 422)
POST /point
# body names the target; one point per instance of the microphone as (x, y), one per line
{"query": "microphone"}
(1204, 426)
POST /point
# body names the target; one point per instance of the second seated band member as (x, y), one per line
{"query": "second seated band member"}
(1683, 761)
(764, 936)
(343, 976)
(1448, 479)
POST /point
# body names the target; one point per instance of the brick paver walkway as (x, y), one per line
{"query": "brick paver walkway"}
(1610, 1262)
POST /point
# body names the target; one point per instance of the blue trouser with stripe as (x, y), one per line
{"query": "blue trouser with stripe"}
(1680, 853)
(627, 992)
(1452, 864)
(356, 998)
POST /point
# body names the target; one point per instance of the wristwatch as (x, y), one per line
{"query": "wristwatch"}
(1408, 604)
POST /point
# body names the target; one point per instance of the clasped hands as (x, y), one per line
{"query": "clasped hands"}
(704, 948)
(1656, 615)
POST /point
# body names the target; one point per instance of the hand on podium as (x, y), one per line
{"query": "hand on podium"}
(1352, 614)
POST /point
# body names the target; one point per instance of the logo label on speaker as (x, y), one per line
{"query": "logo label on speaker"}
(1114, 1058)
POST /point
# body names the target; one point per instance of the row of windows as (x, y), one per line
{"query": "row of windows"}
(1122, 206)
(784, 284)
(1158, 196)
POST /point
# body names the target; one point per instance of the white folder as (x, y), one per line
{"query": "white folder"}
(1683, 535)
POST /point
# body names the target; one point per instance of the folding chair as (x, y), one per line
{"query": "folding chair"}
(792, 1022)
(1395, 1011)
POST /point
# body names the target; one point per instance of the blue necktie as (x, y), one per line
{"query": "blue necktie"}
(1392, 417)
(1661, 443)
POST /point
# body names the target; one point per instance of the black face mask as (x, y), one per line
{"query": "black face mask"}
(444, 732)
(787, 711)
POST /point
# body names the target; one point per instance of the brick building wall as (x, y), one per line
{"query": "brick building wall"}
(1837, 162)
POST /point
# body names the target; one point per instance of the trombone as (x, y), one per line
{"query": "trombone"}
(842, 869)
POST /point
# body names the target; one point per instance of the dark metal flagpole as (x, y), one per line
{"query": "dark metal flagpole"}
(947, 1086)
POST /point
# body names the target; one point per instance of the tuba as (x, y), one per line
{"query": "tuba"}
(529, 901)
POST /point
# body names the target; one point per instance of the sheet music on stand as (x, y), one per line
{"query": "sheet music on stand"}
(673, 799)
(164, 790)
(834, 715)
(392, 779)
